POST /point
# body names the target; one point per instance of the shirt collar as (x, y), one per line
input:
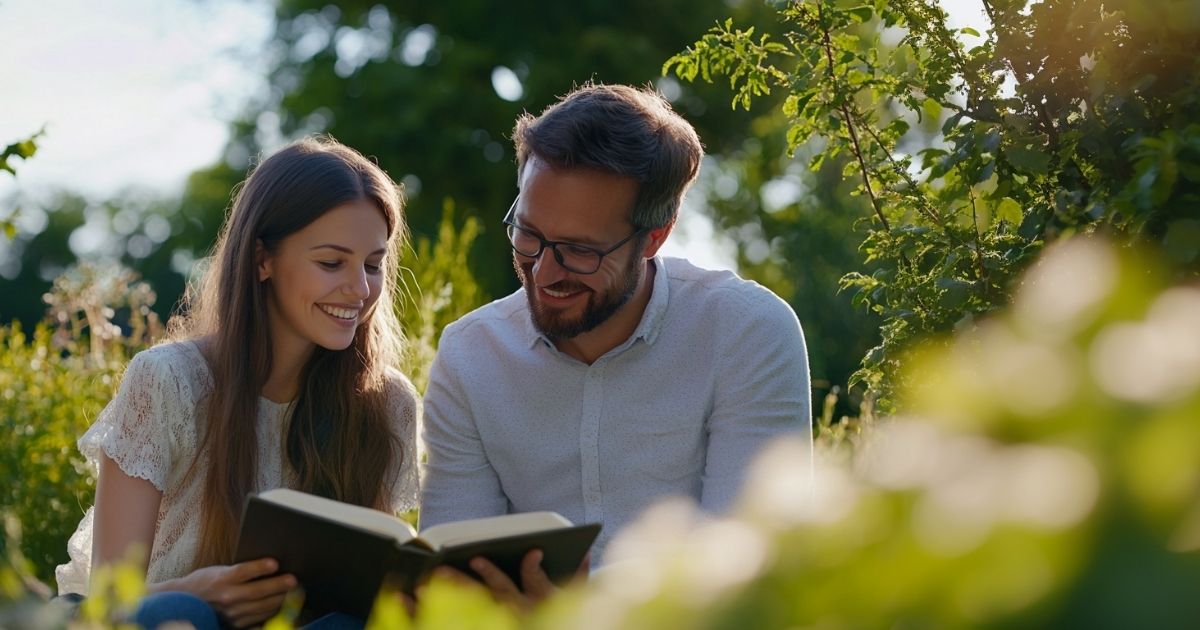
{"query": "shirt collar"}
(652, 317)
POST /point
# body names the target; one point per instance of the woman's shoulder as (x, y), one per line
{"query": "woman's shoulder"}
(177, 351)
(400, 390)
(170, 355)
(172, 363)
(404, 405)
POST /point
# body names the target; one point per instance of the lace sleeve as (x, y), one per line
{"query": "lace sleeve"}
(136, 429)
(406, 409)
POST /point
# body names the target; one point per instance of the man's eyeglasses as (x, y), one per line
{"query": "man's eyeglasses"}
(573, 257)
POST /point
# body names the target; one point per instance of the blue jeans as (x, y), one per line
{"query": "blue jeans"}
(168, 606)
(161, 608)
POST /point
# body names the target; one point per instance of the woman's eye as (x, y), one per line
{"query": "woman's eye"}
(330, 264)
(372, 269)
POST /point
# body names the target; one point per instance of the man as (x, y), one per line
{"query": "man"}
(614, 377)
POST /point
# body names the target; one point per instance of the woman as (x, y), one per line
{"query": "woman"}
(278, 375)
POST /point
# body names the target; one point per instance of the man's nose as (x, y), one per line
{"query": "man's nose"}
(546, 268)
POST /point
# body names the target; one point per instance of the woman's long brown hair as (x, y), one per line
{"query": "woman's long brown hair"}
(339, 441)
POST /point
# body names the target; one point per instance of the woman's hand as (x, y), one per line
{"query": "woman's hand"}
(241, 594)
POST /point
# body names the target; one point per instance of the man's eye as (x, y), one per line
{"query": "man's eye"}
(576, 250)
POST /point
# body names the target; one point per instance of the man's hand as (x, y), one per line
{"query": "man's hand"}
(535, 584)
(240, 593)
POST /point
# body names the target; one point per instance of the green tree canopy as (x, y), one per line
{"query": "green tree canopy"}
(974, 149)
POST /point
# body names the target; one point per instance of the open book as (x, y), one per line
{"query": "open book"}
(342, 554)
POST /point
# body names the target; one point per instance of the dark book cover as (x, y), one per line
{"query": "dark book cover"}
(563, 551)
(341, 567)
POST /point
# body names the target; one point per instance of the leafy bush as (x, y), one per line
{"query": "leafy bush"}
(438, 288)
(52, 385)
(1066, 116)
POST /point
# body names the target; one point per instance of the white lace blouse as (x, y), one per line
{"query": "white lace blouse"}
(149, 430)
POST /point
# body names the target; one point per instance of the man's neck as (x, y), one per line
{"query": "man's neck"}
(591, 345)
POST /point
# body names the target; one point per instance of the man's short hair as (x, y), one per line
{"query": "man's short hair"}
(622, 130)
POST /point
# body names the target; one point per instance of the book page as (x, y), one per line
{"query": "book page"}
(357, 516)
(477, 529)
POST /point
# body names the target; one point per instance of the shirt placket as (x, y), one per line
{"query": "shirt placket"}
(589, 442)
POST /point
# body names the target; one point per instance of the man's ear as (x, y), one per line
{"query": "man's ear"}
(657, 237)
(262, 259)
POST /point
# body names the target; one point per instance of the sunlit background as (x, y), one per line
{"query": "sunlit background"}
(1029, 451)
(140, 93)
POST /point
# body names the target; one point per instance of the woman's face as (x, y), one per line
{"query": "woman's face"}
(324, 278)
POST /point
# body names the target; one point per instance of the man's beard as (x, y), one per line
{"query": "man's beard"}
(598, 309)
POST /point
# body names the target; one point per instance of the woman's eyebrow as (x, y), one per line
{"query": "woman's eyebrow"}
(345, 250)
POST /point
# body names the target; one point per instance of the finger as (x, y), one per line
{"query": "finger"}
(266, 587)
(585, 567)
(409, 603)
(255, 611)
(251, 569)
(235, 600)
(454, 575)
(496, 580)
(250, 621)
(534, 581)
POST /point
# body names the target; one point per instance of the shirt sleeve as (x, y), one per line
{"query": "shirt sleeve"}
(458, 481)
(762, 392)
(406, 412)
(138, 426)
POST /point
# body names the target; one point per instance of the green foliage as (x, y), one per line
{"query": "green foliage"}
(438, 288)
(23, 149)
(735, 54)
(838, 436)
(1068, 116)
(53, 384)
(156, 237)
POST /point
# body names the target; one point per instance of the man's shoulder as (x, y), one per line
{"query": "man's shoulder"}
(503, 317)
(722, 291)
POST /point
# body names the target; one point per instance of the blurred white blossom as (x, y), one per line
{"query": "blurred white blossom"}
(1155, 359)
(1063, 291)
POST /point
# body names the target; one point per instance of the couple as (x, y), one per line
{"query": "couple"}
(614, 377)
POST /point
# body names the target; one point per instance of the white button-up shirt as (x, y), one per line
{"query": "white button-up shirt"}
(716, 368)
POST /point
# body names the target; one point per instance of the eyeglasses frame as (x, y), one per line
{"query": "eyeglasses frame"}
(509, 220)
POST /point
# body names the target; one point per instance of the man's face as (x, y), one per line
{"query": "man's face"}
(582, 207)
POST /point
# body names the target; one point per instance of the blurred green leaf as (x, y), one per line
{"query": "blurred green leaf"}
(1010, 211)
(1028, 159)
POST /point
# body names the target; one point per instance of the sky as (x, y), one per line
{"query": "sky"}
(139, 93)
(131, 92)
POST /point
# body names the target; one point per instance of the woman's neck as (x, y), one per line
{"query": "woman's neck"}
(288, 357)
